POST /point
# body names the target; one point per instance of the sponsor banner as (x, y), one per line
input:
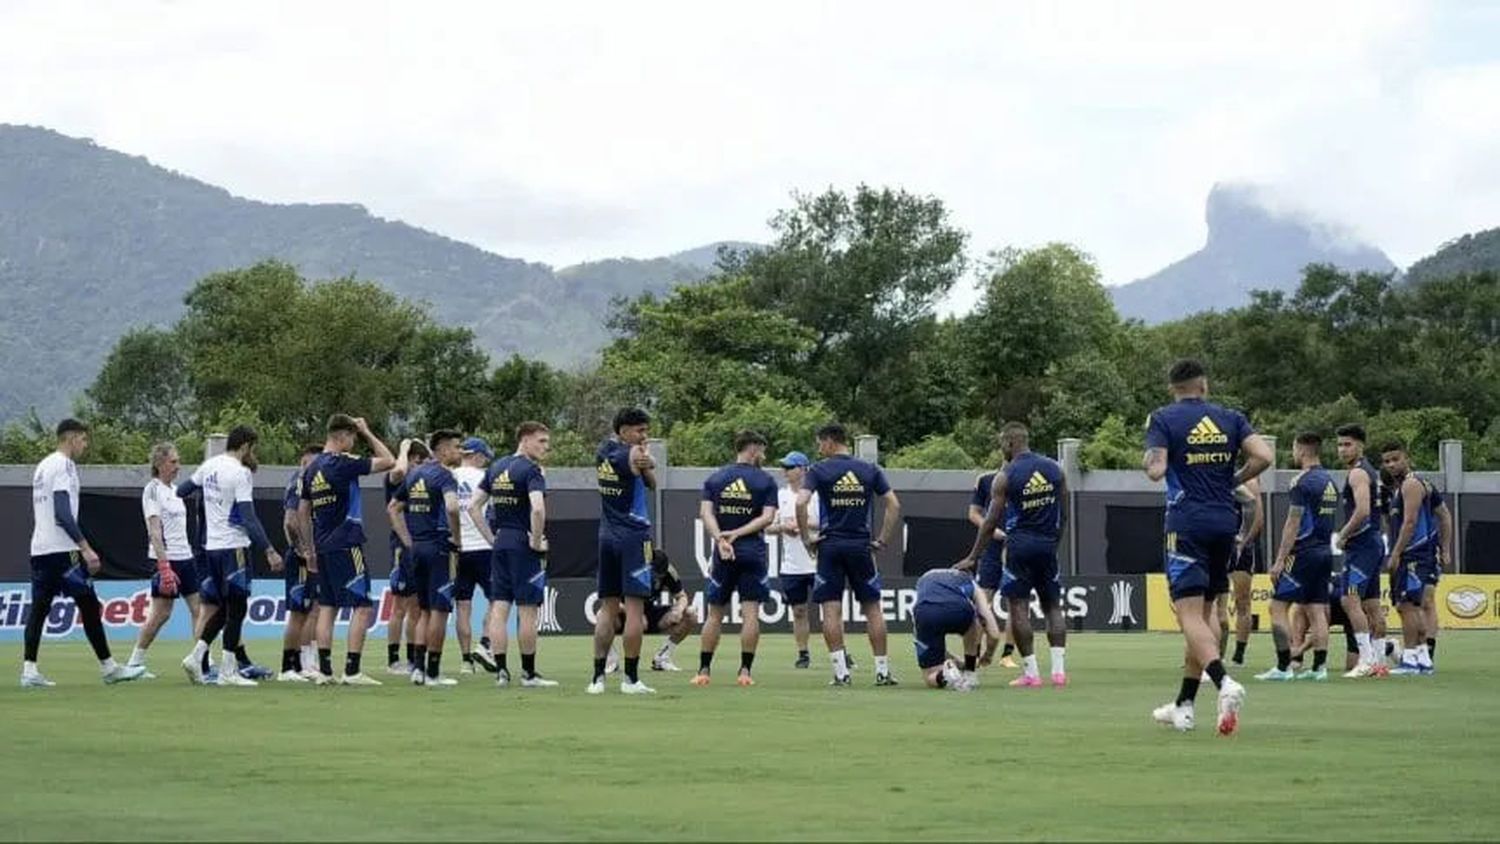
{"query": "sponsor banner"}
(1464, 601)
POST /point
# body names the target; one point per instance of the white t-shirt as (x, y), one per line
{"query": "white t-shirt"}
(225, 480)
(56, 473)
(469, 478)
(161, 501)
(794, 556)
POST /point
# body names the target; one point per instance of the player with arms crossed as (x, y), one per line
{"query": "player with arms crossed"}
(1192, 445)
(1359, 584)
(948, 603)
(332, 519)
(62, 559)
(847, 488)
(1304, 562)
(738, 502)
(1422, 543)
(626, 471)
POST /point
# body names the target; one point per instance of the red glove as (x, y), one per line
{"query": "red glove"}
(167, 579)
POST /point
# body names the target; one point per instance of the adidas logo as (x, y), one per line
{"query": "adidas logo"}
(1330, 492)
(319, 484)
(737, 490)
(503, 481)
(1207, 433)
(1036, 485)
(607, 472)
(848, 483)
(418, 489)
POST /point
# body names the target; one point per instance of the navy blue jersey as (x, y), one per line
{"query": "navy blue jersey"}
(945, 587)
(422, 492)
(331, 484)
(1315, 492)
(1202, 441)
(392, 487)
(984, 488)
(291, 497)
(1372, 524)
(509, 483)
(846, 488)
(1032, 486)
(622, 493)
(740, 493)
(1425, 535)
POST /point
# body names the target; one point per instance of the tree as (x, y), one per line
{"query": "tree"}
(144, 384)
(448, 375)
(1114, 445)
(520, 390)
(709, 441)
(933, 452)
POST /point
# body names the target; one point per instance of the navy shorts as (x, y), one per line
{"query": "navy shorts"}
(846, 562)
(1305, 579)
(1413, 575)
(796, 588)
(473, 570)
(404, 582)
(226, 573)
(748, 573)
(518, 576)
(1198, 563)
(1030, 564)
(343, 579)
(1248, 559)
(301, 586)
(932, 622)
(60, 574)
(187, 578)
(438, 568)
(1363, 558)
(624, 564)
(992, 566)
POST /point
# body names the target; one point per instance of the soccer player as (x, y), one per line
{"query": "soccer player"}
(625, 472)
(331, 515)
(425, 516)
(947, 603)
(62, 559)
(1032, 494)
(847, 488)
(1192, 445)
(514, 488)
(167, 543)
(738, 501)
(795, 575)
(668, 613)
(989, 568)
(1359, 584)
(299, 651)
(406, 612)
(1304, 562)
(1414, 557)
(1245, 563)
(232, 529)
(474, 552)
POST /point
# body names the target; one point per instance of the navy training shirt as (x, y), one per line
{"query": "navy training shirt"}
(622, 493)
(846, 488)
(1032, 485)
(739, 494)
(331, 484)
(1202, 441)
(1371, 527)
(1315, 492)
(509, 483)
(945, 587)
(422, 492)
(984, 488)
(291, 497)
(1425, 535)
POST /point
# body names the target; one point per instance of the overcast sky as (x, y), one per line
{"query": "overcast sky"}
(563, 132)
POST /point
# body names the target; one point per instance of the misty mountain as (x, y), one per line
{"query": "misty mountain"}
(1249, 247)
(1471, 253)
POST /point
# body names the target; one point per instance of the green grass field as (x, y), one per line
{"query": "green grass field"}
(1398, 759)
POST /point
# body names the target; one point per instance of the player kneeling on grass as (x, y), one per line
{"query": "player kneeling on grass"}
(947, 603)
(674, 617)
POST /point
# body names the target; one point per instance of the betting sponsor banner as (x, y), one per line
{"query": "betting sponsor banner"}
(1464, 601)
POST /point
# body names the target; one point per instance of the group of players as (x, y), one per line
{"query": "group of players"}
(463, 520)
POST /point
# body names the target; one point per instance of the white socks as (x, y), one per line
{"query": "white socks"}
(28, 669)
(1057, 660)
(1029, 665)
(1366, 650)
(882, 665)
(1424, 658)
(200, 648)
(108, 665)
(137, 657)
(667, 650)
(840, 663)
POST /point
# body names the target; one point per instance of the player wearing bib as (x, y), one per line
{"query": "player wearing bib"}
(62, 559)
(738, 501)
(514, 490)
(947, 604)
(797, 567)
(299, 650)
(406, 613)
(626, 471)
(1364, 550)
(989, 569)
(474, 552)
(1304, 562)
(1423, 542)
(1245, 564)
(332, 518)
(232, 530)
(1192, 445)
(167, 544)
(425, 516)
(847, 489)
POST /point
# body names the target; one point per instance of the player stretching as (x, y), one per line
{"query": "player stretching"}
(1304, 562)
(474, 552)
(796, 569)
(425, 515)
(332, 519)
(1192, 445)
(406, 610)
(1032, 494)
(1359, 584)
(1414, 557)
(167, 543)
(515, 489)
(990, 568)
(62, 560)
(232, 529)
(738, 502)
(946, 604)
(1245, 563)
(299, 652)
(847, 488)
(625, 472)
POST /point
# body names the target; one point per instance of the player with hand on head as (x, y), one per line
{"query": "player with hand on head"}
(425, 516)
(406, 611)
(1304, 562)
(167, 543)
(626, 472)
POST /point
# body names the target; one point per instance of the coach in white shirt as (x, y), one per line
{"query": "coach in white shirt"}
(62, 561)
(797, 565)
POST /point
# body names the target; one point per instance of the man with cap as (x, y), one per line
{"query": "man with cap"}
(473, 555)
(797, 566)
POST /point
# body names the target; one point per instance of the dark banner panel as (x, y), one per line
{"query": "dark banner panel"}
(1479, 533)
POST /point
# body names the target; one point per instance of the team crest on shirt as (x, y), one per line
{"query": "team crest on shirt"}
(1207, 433)
(737, 490)
(848, 483)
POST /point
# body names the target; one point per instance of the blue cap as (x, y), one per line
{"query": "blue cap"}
(475, 445)
(795, 460)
